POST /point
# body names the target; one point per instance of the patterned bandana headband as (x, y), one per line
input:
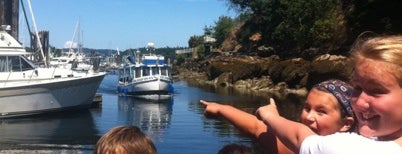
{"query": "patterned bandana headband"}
(342, 92)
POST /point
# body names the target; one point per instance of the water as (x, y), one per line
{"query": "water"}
(176, 126)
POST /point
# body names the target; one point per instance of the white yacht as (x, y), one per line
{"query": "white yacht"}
(71, 60)
(26, 89)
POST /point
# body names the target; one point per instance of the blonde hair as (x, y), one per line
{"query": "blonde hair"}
(124, 140)
(386, 49)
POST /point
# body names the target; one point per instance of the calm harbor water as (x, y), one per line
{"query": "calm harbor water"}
(177, 126)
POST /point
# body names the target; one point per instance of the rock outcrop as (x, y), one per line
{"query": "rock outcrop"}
(264, 74)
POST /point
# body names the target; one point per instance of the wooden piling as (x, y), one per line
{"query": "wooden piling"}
(9, 14)
(97, 99)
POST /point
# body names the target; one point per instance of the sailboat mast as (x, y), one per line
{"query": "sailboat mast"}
(36, 32)
(72, 39)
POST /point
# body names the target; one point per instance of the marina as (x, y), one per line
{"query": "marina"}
(62, 105)
(175, 125)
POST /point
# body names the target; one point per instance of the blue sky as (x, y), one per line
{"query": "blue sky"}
(123, 24)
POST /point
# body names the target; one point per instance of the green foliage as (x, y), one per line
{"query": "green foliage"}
(208, 30)
(200, 50)
(294, 26)
(222, 29)
(306, 24)
(56, 52)
(379, 16)
(195, 41)
(242, 18)
(264, 17)
(180, 59)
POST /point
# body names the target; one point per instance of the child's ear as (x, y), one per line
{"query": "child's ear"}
(348, 124)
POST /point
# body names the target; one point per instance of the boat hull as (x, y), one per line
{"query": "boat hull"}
(151, 86)
(56, 95)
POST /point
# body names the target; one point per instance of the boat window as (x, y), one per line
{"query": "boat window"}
(14, 63)
(163, 71)
(4, 65)
(155, 71)
(137, 72)
(132, 71)
(145, 71)
(25, 65)
(123, 75)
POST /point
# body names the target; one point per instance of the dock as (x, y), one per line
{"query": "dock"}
(97, 99)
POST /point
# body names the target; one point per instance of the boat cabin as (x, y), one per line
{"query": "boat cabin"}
(130, 73)
(151, 66)
(15, 63)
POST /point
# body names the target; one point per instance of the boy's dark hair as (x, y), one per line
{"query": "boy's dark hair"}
(235, 149)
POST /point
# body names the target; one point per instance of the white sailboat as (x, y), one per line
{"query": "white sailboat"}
(72, 59)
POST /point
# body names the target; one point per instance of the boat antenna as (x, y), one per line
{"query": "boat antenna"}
(36, 32)
(75, 31)
(26, 19)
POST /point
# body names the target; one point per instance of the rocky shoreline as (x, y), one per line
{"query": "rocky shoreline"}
(262, 75)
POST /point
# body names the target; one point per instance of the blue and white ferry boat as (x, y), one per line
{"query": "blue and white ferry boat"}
(147, 75)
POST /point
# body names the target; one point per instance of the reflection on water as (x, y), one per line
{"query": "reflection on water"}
(152, 116)
(289, 104)
(185, 131)
(64, 130)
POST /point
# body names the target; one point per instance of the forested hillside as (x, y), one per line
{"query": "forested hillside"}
(296, 28)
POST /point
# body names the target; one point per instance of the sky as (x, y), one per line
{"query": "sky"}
(123, 24)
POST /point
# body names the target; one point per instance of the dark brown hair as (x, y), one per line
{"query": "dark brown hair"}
(235, 149)
(124, 140)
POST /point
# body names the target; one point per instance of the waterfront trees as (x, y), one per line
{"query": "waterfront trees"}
(295, 27)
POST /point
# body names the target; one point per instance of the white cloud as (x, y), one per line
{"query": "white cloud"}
(69, 44)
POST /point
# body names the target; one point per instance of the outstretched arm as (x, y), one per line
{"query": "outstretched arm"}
(289, 132)
(244, 121)
(247, 123)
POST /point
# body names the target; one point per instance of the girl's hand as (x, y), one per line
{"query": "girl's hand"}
(212, 109)
(266, 111)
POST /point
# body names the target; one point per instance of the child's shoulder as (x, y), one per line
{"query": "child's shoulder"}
(348, 142)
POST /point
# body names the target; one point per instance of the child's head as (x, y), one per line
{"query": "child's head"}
(124, 140)
(377, 101)
(235, 149)
(327, 109)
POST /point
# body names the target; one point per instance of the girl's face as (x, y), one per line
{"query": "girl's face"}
(377, 100)
(322, 113)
